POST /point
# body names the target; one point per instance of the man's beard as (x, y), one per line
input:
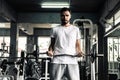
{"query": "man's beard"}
(64, 22)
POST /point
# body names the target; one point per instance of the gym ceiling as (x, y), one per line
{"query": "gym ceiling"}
(92, 6)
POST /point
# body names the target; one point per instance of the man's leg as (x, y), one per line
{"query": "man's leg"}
(56, 71)
(73, 72)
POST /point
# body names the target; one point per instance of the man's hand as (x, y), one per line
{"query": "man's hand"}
(50, 53)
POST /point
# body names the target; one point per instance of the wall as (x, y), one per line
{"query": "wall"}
(51, 17)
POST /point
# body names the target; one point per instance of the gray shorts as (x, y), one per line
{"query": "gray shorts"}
(59, 71)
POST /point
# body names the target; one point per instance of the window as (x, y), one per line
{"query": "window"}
(4, 46)
(43, 44)
(113, 53)
(114, 20)
(21, 45)
(22, 41)
(117, 17)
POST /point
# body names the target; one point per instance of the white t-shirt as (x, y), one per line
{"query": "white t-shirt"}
(65, 43)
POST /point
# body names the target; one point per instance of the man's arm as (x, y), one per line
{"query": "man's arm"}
(78, 48)
(51, 47)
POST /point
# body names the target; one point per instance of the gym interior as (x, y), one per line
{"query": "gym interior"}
(25, 37)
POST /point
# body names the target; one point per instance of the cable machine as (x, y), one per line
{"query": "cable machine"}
(89, 45)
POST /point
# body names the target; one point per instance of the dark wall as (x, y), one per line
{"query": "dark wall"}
(42, 31)
(52, 17)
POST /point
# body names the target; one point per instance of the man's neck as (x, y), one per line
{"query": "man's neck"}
(66, 25)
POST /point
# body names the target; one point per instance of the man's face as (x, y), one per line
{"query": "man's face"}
(65, 17)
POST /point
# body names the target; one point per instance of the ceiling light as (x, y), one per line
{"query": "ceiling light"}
(54, 4)
(2, 24)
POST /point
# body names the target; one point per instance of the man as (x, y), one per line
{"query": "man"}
(65, 44)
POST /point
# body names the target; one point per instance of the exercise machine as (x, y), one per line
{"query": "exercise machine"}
(89, 43)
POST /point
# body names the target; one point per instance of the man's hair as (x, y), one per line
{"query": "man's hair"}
(65, 9)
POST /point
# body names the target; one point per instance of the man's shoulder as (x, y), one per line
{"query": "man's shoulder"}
(75, 26)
